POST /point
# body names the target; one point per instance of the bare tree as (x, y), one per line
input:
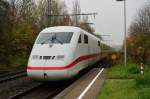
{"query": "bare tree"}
(76, 10)
(49, 8)
(84, 24)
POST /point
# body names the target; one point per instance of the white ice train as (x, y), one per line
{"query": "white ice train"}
(61, 52)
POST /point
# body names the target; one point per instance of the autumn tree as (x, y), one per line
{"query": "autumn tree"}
(22, 20)
(24, 26)
(5, 31)
(138, 40)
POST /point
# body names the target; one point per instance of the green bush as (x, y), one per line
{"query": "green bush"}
(133, 69)
(19, 62)
(143, 80)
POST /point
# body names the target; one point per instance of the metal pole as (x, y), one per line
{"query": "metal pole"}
(49, 12)
(125, 42)
(76, 20)
(125, 35)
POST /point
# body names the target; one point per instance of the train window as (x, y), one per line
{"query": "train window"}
(99, 44)
(79, 40)
(55, 38)
(86, 39)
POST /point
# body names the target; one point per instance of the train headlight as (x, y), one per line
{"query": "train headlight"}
(60, 57)
(35, 57)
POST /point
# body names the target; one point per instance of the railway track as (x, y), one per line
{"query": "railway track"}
(18, 86)
(41, 91)
(3, 72)
(36, 90)
(25, 91)
(8, 73)
(31, 89)
(10, 76)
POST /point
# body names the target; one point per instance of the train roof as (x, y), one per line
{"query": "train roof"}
(68, 29)
(62, 28)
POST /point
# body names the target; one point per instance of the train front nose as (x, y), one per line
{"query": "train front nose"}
(48, 68)
(47, 75)
(48, 63)
(35, 74)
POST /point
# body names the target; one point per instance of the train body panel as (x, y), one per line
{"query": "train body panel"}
(61, 52)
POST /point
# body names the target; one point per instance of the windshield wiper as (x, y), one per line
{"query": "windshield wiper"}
(45, 41)
(54, 38)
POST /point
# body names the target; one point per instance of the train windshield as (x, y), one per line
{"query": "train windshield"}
(55, 38)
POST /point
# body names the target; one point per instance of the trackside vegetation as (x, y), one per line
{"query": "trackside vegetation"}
(126, 83)
(138, 42)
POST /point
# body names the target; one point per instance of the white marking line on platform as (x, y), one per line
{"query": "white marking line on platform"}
(88, 87)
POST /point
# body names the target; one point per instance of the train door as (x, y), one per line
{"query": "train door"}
(86, 49)
(82, 51)
(90, 47)
(93, 48)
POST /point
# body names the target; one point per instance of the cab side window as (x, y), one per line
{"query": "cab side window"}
(99, 44)
(85, 39)
(80, 40)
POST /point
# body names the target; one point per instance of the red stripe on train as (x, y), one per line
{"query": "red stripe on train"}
(78, 60)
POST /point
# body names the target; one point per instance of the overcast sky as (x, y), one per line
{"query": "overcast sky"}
(109, 20)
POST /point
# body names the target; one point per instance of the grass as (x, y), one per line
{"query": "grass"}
(144, 93)
(126, 83)
(118, 89)
(120, 71)
(143, 81)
